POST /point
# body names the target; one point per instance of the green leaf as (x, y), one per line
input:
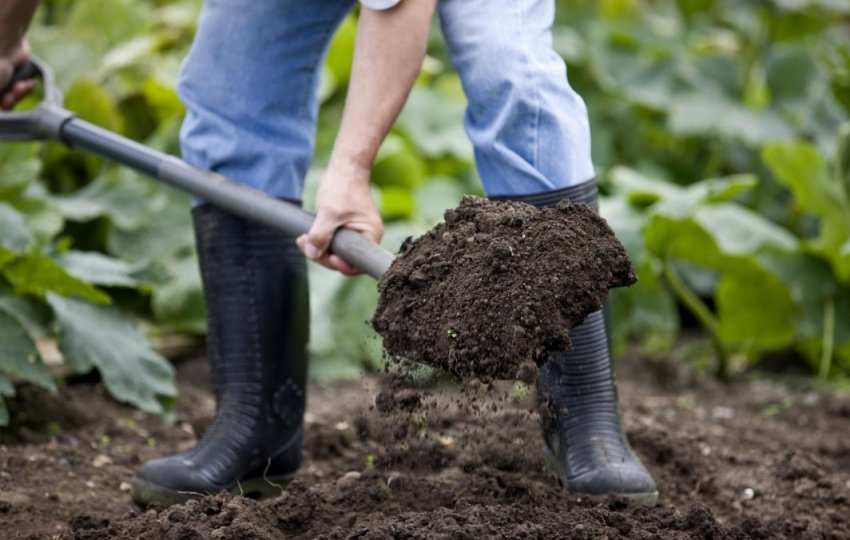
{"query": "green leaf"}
(645, 311)
(98, 269)
(741, 232)
(800, 167)
(15, 235)
(163, 99)
(33, 314)
(671, 238)
(43, 219)
(103, 337)
(18, 355)
(810, 282)
(125, 197)
(6, 390)
(128, 53)
(643, 190)
(435, 196)
(162, 234)
(341, 341)
(398, 164)
(19, 165)
(707, 114)
(93, 103)
(37, 274)
(843, 157)
(113, 21)
(627, 221)
(5, 257)
(397, 203)
(755, 309)
(811, 343)
(341, 49)
(433, 123)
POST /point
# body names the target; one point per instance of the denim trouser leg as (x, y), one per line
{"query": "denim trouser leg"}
(250, 85)
(529, 128)
(251, 78)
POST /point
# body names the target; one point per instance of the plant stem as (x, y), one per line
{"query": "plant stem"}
(703, 314)
(828, 339)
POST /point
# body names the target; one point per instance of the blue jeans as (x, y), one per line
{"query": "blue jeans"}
(251, 79)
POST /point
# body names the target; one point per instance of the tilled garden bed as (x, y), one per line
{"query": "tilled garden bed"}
(754, 459)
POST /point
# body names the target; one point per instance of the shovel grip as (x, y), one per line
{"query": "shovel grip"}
(22, 73)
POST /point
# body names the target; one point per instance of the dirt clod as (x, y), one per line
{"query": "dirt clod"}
(497, 285)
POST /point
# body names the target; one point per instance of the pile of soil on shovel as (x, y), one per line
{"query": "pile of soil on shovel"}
(486, 293)
(755, 459)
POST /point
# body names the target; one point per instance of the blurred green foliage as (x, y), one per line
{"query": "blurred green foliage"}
(719, 133)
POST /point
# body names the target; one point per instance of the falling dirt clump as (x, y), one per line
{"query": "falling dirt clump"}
(490, 290)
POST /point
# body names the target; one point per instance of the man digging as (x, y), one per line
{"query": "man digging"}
(250, 85)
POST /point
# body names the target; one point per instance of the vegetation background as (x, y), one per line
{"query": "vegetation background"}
(720, 134)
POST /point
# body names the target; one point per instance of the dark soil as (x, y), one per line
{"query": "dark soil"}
(486, 293)
(754, 459)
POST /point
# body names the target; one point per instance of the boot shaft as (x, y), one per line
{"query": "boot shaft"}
(255, 287)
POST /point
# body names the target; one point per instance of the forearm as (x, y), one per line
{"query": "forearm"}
(388, 54)
(15, 17)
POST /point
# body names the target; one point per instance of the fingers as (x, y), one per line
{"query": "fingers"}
(316, 244)
(317, 241)
(21, 88)
(18, 92)
(343, 199)
(328, 259)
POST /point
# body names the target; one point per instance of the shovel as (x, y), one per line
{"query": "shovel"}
(49, 121)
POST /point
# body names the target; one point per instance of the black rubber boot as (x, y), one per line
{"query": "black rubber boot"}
(255, 285)
(585, 444)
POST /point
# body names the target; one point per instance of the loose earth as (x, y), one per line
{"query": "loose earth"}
(754, 459)
(486, 293)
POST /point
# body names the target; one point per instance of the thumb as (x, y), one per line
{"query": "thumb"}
(318, 238)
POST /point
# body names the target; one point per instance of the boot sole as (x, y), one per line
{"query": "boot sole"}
(145, 493)
(633, 500)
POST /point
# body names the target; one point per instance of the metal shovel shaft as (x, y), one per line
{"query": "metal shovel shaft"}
(49, 121)
(218, 190)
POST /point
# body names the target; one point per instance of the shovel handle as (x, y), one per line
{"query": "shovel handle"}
(25, 72)
(49, 121)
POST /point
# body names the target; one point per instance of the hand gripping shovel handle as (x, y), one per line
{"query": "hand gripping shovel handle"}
(24, 73)
(49, 121)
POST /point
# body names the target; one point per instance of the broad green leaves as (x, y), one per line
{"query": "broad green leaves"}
(99, 269)
(678, 91)
(102, 337)
(19, 358)
(38, 274)
(19, 164)
(800, 167)
(18, 354)
(768, 292)
(699, 225)
(16, 235)
(95, 242)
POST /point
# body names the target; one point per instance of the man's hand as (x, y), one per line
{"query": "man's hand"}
(387, 56)
(343, 199)
(7, 68)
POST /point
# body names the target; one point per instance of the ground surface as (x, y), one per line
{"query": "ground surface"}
(751, 460)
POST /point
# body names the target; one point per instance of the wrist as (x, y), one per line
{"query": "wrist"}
(351, 165)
